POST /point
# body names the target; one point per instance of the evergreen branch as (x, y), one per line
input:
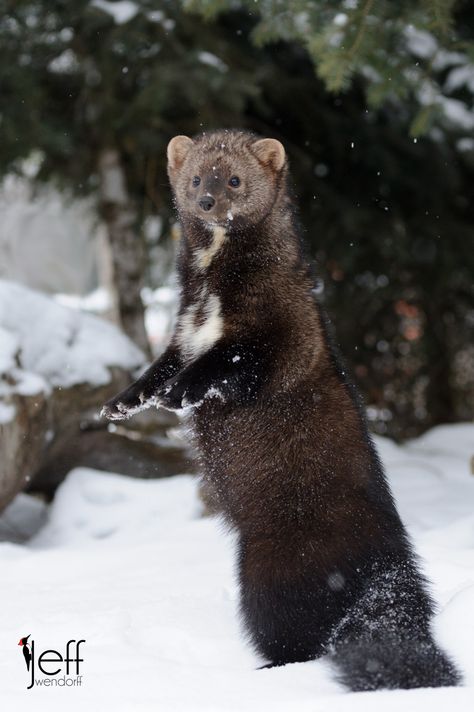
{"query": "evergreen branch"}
(343, 66)
(442, 11)
(362, 27)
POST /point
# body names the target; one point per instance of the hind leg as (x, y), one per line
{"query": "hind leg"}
(287, 620)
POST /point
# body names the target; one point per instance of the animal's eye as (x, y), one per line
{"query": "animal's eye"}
(234, 182)
(196, 181)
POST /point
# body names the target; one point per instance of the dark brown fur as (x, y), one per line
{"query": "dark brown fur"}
(325, 566)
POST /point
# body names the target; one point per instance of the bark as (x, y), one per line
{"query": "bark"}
(440, 395)
(138, 448)
(22, 441)
(127, 247)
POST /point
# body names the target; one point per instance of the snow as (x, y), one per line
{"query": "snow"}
(48, 240)
(459, 77)
(62, 346)
(340, 19)
(214, 392)
(457, 113)
(212, 61)
(99, 301)
(122, 11)
(132, 567)
(65, 63)
(9, 346)
(7, 412)
(160, 309)
(444, 58)
(420, 42)
(465, 144)
(22, 382)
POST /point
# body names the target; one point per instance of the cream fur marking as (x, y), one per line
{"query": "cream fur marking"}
(205, 255)
(196, 340)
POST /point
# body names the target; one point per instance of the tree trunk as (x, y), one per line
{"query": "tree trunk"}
(439, 395)
(128, 254)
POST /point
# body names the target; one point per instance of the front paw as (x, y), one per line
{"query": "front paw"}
(179, 393)
(125, 404)
(171, 394)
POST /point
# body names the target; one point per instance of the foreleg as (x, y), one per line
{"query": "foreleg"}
(234, 372)
(143, 392)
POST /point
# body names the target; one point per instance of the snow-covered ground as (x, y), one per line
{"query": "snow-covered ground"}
(132, 567)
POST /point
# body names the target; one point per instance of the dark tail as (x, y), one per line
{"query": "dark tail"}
(384, 641)
(393, 662)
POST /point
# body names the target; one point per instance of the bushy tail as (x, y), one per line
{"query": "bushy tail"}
(384, 641)
(393, 662)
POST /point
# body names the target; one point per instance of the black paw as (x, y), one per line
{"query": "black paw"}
(126, 404)
(178, 393)
(171, 394)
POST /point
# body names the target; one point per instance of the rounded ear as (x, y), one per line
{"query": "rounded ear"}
(270, 152)
(177, 150)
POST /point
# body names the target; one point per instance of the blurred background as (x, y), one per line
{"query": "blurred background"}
(374, 103)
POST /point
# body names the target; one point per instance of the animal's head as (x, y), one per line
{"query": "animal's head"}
(226, 177)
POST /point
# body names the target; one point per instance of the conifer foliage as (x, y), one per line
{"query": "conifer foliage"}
(396, 47)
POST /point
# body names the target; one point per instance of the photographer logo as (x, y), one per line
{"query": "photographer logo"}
(54, 668)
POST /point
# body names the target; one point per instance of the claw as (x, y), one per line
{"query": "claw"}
(116, 412)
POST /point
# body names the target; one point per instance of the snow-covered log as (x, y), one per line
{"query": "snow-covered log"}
(57, 366)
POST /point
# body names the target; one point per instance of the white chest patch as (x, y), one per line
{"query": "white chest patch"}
(205, 255)
(195, 339)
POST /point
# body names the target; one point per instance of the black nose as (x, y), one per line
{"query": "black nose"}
(207, 202)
